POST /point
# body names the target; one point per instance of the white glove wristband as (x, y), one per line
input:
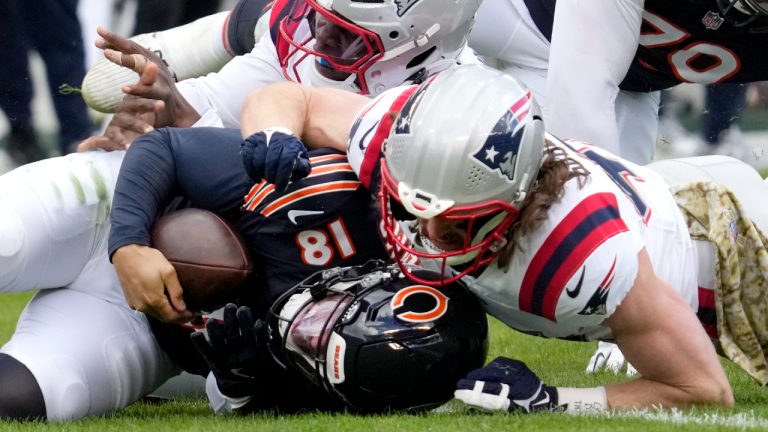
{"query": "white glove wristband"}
(271, 130)
(219, 402)
(582, 400)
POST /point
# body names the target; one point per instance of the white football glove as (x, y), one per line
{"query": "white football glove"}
(608, 356)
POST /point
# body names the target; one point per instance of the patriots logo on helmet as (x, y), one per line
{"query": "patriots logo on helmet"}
(499, 151)
(404, 5)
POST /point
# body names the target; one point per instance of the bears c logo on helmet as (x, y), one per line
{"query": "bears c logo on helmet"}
(440, 303)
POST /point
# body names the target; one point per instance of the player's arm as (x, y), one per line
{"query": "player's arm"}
(660, 335)
(593, 44)
(321, 117)
(159, 167)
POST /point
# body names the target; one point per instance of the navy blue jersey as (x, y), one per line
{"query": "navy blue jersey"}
(325, 220)
(690, 41)
(684, 41)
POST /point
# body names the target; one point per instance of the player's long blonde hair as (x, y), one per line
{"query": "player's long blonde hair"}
(557, 168)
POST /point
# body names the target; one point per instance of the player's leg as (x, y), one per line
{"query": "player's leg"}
(54, 219)
(738, 176)
(637, 118)
(504, 30)
(86, 356)
(746, 184)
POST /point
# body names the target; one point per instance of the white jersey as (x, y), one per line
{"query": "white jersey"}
(219, 97)
(578, 266)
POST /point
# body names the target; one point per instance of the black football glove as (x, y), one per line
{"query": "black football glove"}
(506, 385)
(233, 349)
(275, 156)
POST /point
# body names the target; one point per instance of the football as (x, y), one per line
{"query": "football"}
(211, 259)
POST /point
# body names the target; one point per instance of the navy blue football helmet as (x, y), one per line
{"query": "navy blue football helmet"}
(376, 340)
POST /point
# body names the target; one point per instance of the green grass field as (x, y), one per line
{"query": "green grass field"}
(557, 362)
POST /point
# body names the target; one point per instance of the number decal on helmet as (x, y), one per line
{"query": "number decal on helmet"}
(441, 303)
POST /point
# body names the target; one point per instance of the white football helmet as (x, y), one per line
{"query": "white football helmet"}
(465, 147)
(373, 45)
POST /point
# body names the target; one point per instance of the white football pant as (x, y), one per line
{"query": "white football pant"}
(89, 352)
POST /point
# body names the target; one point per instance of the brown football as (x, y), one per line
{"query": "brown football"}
(211, 259)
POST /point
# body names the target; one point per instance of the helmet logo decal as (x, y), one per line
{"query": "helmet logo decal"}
(404, 5)
(337, 348)
(499, 151)
(712, 20)
(440, 299)
(403, 125)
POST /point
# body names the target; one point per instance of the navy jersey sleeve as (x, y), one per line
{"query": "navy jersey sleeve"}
(201, 164)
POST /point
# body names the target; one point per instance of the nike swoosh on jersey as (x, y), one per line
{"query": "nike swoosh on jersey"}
(293, 214)
(577, 290)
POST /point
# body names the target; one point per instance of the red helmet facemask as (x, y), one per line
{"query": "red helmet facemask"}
(494, 216)
(339, 47)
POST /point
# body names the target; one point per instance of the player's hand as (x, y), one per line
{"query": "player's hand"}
(506, 385)
(150, 283)
(233, 350)
(608, 356)
(278, 157)
(157, 82)
(134, 116)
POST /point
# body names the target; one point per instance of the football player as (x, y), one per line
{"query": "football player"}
(601, 64)
(73, 199)
(323, 220)
(321, 44)
(558, 238)
(719, 33)
(80, 350)
(609, 94)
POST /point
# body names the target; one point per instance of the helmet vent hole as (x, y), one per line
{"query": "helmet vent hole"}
(395, 149)
(477, 179)
(419, 59)
(394, 35)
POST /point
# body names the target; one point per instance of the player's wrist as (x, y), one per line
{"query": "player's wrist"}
(582, 400)
(271, 131)
(184, 114)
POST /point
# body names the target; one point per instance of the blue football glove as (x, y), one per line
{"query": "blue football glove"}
(507, 385)
(233, 350)
(276, 156)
